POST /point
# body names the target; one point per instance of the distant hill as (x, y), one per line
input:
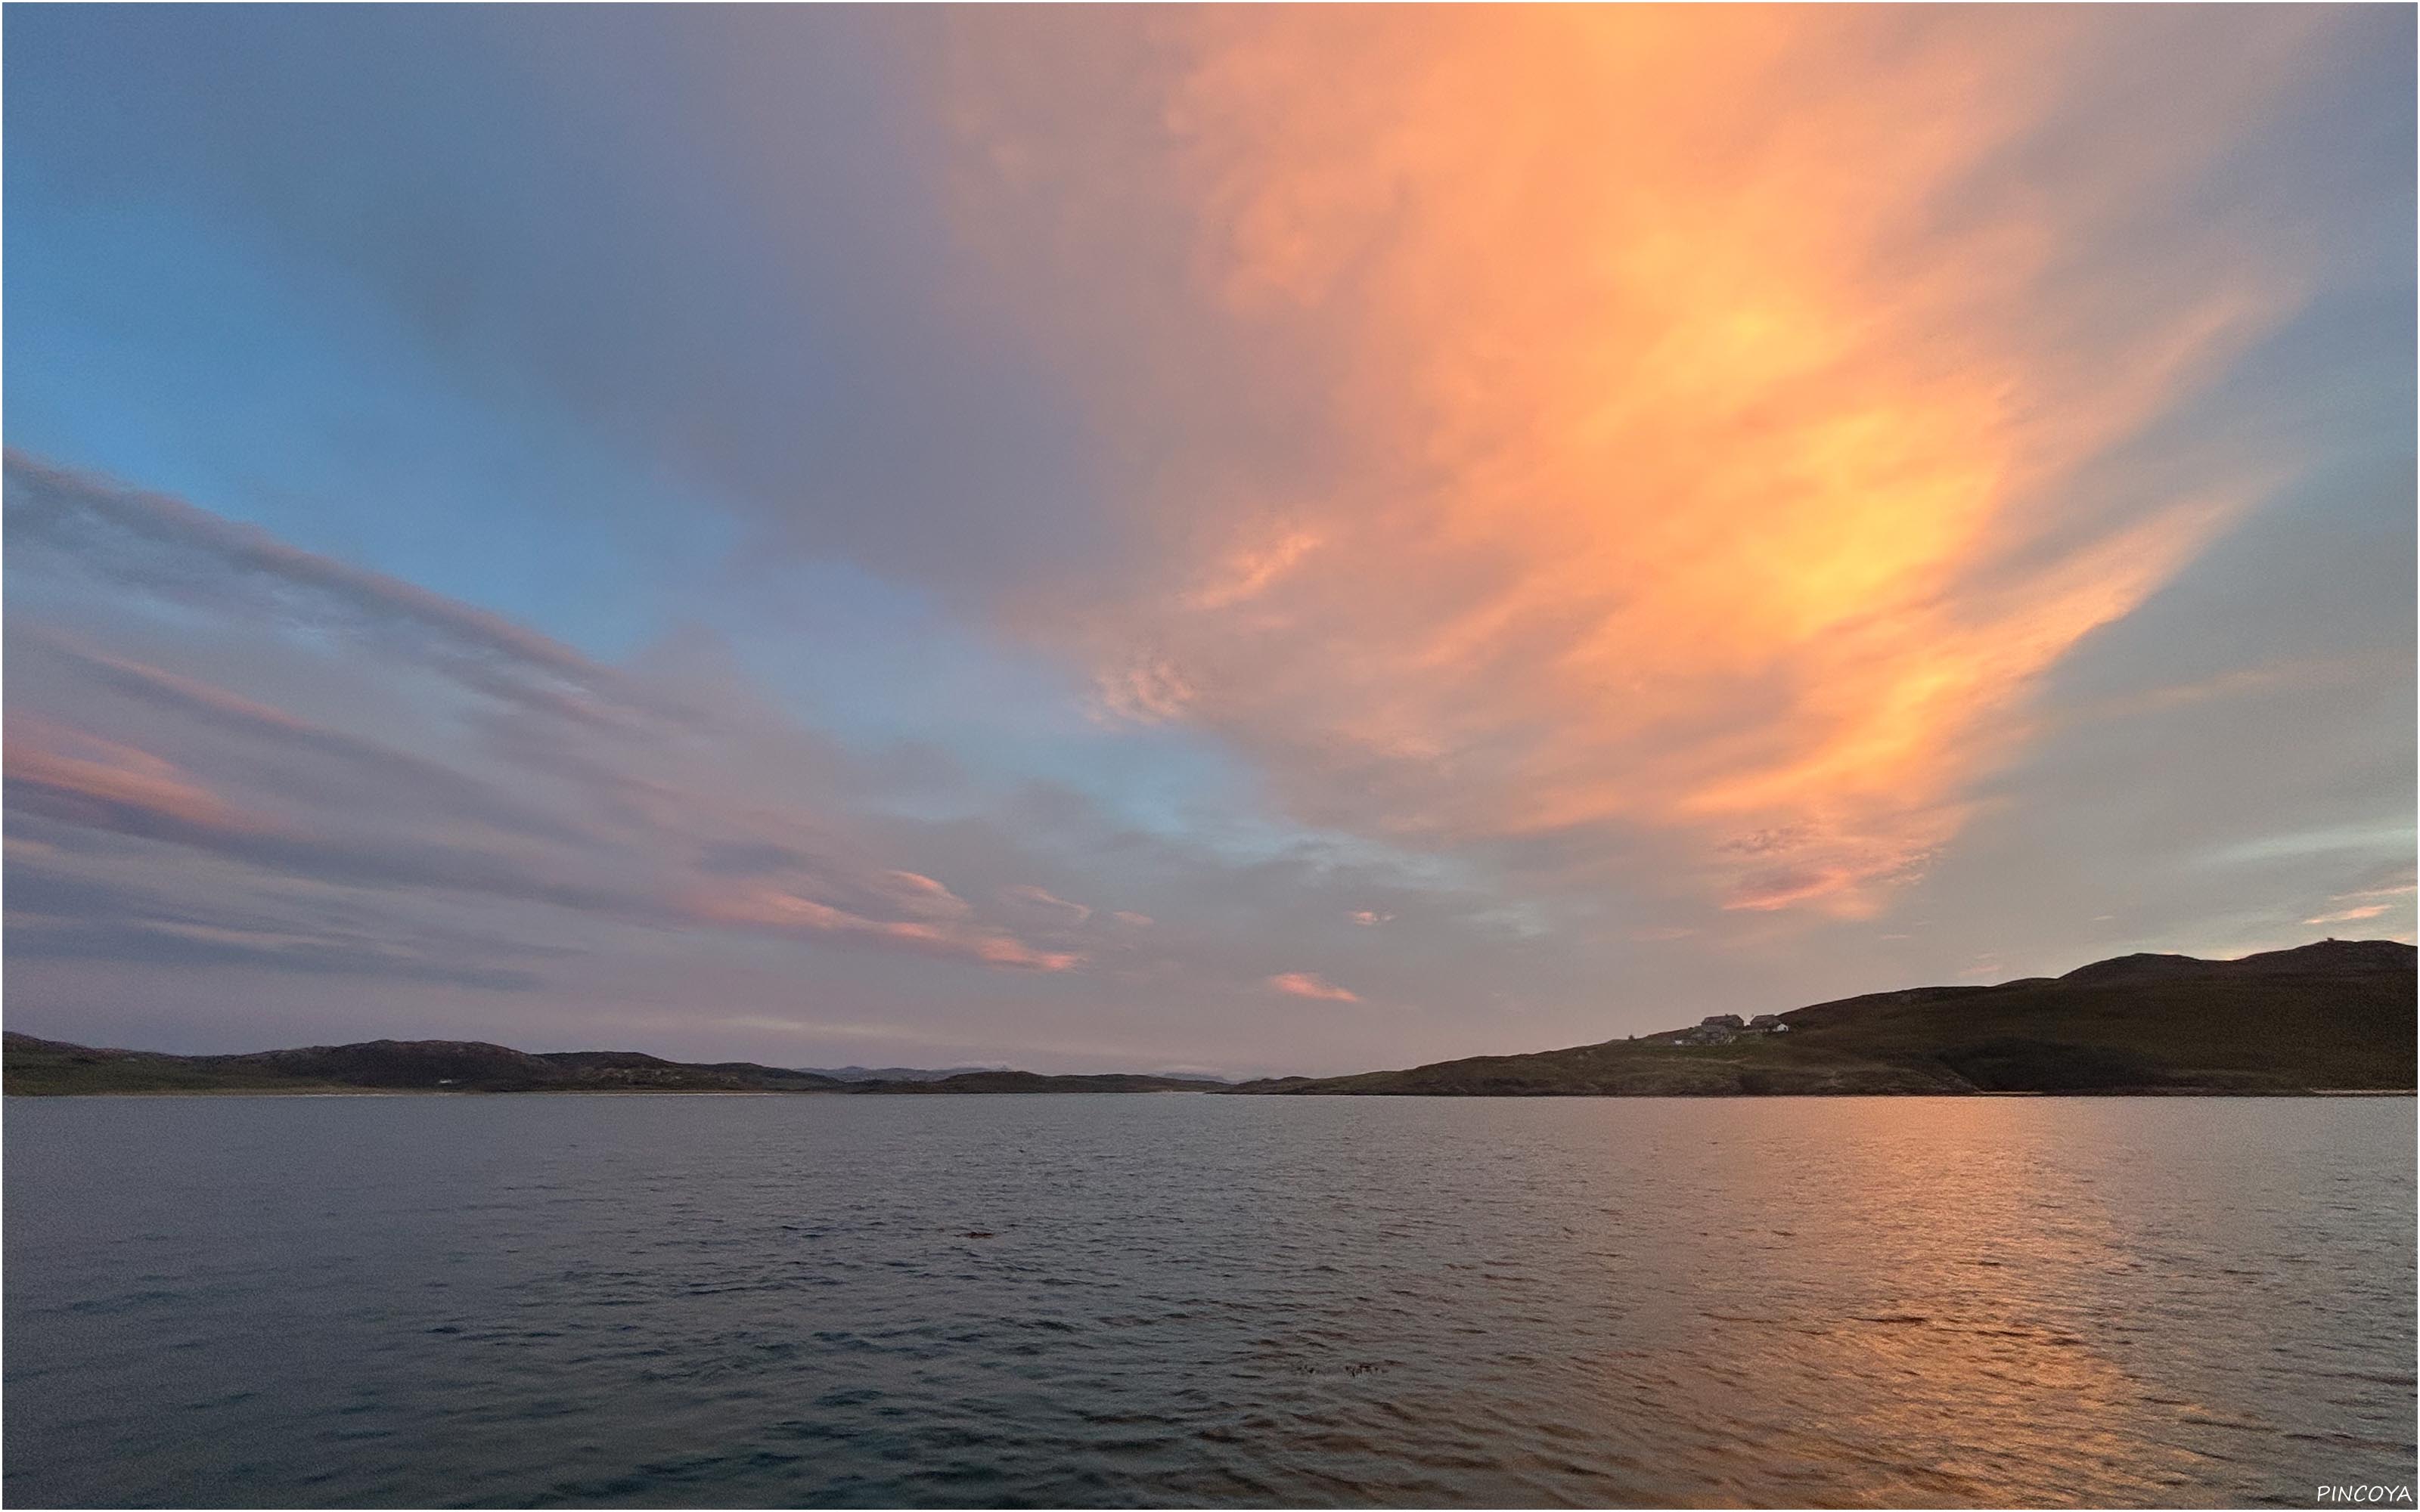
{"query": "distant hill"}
(2336, 1016)
(48, 1066)
(1025, 1081)
(893, 1073)
(38, 1066)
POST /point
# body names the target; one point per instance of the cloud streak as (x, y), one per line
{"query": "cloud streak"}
(665, 799)
(1564, 518)
(1670, 445)
(1312, 985)
(166, 546)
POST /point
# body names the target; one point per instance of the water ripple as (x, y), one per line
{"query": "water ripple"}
(1118, 1302)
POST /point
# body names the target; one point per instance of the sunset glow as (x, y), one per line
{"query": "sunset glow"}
(1686, 464)
(1090, 530)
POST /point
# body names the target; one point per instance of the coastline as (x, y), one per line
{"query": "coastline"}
(2120, 1094)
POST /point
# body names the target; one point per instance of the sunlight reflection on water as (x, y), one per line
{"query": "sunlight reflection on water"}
(549, 1300)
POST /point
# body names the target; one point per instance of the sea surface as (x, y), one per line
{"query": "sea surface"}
(1080, 1301)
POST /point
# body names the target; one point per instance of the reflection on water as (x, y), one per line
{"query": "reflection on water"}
(1097, 1301)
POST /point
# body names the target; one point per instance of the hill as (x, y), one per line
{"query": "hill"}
(893, 1073)
(1025, 1081)
(33, 1066)
(50, 1067)
(2335, 1016)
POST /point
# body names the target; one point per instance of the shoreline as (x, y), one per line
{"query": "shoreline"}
(2136, 1094)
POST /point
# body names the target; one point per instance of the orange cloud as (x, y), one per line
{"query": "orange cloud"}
(1635, 420)
(2356, 906)
(1252, 570)
(1310, 984)
(2349, 915)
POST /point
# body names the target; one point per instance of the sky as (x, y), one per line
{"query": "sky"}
(1254, 540)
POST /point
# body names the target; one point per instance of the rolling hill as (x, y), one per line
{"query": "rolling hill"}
(2335, 1016)
(50, 1067)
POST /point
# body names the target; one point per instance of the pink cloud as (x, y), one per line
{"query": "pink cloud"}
(1041, 902)
(1002, 951)
(1147, 691)
(775, 909)
(1310, 984)
(918, 894)
(87, 778)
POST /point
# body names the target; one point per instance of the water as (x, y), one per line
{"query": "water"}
(560, 1300)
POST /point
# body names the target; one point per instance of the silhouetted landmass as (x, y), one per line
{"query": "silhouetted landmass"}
(48, 1066)
(2336, 1016)
(34, 1066)
(1025, 1081)
(893, 1073)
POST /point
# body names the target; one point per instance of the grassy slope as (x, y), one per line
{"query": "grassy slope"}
(2329, 1017)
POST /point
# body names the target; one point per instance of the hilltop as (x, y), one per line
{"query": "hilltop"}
(2335, 1016)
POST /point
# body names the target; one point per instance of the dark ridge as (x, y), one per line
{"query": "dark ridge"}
(36, 1066)
(2138, 965)
(2328, 955)
(601, 1059)
(402, 1063)
(2335, 1016)
(1025, 1081)
(2332, 1016)
(893, 1073)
